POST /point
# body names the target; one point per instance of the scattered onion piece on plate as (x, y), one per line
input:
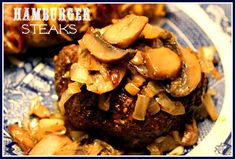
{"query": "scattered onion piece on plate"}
(67, 149)
(206, 56)
(38, 109)
(210, 107)
(49, 145)
(177, 151)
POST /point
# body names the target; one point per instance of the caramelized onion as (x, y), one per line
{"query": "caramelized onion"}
(68, 149)
(73, 88)
(190, 136)
(38, 109)
(77, 135)
(141, 106)
(179, 150)
(210, 107)
(49, 145)
(137, 80)
(79, 73)
(132, 88)
(169, 106)
(98, 77)
(97, 147)
(153, 107)
(162, 144)
(152, 89)
(206, 57)
(106, 79)
(47, 123)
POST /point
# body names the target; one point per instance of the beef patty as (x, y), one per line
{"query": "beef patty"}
(117, 124)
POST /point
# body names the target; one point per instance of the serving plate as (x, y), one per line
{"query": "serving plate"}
(195, 25)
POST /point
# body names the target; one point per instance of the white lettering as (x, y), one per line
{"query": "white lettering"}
(78, 12)
(53, 27)
(72, 27)
(26, 14)
(34, 28)
(64, 28)
(17, 14)
(36, 14)
(70, 14)
(45, 14)
(25, 29)
(62, 16)
(86, 14)
(42, 30)
(53, 12)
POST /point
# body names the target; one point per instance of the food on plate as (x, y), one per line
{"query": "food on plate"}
(128, 121)
(23, 30)
(143, 93)
(118, 34)
(190, 75)
(48, 135)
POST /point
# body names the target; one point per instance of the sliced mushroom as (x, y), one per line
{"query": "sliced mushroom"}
(125, 31)
(159, 64)
(106, 79)
(190, 75)
(97, 76)
(162, 63)
(151, 32)
(104, 51)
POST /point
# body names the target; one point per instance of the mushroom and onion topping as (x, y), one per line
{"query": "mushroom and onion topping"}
(137, 83)
(130, 84)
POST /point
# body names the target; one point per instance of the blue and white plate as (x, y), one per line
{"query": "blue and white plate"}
(195, 25)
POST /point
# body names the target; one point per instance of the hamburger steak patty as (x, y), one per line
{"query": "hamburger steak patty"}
(117, 124)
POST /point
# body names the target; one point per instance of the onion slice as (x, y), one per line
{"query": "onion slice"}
(141, 107)
(49, 145)
(79, 73)
(153, 88)
(210, 107)
(73, 88)
(38, 109)
(169, 106)
(132, 89)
